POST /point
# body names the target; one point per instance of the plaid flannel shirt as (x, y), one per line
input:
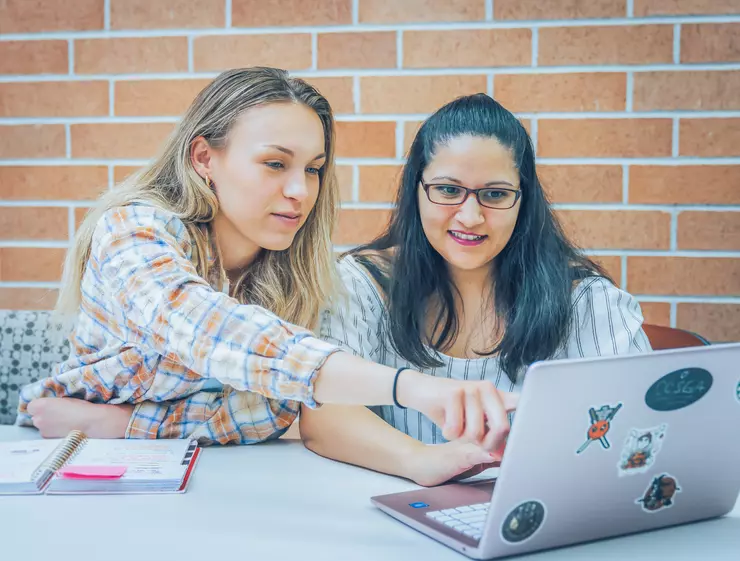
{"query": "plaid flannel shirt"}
(152, 332)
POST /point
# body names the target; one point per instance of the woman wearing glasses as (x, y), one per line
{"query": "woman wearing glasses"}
(473, 279)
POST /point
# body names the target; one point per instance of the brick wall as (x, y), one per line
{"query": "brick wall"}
(634, 106)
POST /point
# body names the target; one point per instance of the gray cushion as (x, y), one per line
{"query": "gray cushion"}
(29, 349)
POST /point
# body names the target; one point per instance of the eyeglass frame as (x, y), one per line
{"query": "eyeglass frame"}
(426, 186)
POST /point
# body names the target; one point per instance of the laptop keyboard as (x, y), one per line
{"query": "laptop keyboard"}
(468, 520)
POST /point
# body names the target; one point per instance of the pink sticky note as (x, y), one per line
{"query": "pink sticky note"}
(92, 472)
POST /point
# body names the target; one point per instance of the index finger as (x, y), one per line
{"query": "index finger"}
(498, 420)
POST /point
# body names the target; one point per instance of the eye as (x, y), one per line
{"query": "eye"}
(275, 165)
(495, 194)
(450, 191)
(313, 171)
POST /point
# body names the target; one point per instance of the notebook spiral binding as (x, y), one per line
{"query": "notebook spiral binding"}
(69, 447)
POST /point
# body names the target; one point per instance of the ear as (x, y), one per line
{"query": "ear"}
(201, 155)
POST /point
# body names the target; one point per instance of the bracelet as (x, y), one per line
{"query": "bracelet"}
(395, 386)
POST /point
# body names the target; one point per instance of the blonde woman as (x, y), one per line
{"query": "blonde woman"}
(194, 287)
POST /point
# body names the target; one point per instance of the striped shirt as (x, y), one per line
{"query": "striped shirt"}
(152, 332)
(607, 321)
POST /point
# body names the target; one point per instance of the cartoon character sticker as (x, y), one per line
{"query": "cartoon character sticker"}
(601, 419)
(640, 449)
(660, 493)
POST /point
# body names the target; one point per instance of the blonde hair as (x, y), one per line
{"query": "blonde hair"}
(296, 283)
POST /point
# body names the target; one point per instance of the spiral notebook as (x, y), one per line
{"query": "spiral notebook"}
(80, 465)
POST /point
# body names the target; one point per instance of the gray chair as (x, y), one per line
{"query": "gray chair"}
(29, 349)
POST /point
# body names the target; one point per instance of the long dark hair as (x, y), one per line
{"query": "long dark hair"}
(534, 273)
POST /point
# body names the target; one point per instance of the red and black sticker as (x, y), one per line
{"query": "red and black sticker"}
(660, 494)
(601, 419)
(640, 449)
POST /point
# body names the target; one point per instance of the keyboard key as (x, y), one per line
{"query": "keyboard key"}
(442, 519)
(438, 516)
(449, 511)
(464, 509)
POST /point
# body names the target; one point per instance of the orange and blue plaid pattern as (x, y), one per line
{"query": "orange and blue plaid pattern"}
(196, 362)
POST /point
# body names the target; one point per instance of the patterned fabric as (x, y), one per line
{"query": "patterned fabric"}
(607, 321)
(196, 362)
(29, 349)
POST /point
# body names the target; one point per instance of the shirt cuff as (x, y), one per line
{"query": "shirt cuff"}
(300, 367)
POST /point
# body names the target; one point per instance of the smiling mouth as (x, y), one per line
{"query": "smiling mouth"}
(467, 237)
(289, 216)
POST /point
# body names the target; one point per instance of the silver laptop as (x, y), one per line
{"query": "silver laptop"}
(598, 448)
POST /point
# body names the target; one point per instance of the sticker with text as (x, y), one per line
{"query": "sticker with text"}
(679, 389)
(601, 419)
(660, 494)
(523, 521)
(640, 449)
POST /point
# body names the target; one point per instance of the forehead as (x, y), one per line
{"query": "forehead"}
(473, 159)
(291, 125)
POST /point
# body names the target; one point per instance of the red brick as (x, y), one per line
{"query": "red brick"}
(709, 230)
(582, 184)
(258, 13)
(715, 322)
(356, 50)
(561, 92)
(635, 44)
(357, 139)
(692, 90)
(52, 182)
(33, 223)
(710, 42)
(379, 183)
(33, 57)
(32, 141)
(617, 229)
(129, 55)
(27, 298)
(164, 14)
(359, 226)
(709, 137)
(689, 185)
(35, 16)
(558, 9)
(54, 99)
(467, 47)
(31, 264)
(685, 276)
(685, 7)
(608, 138)
(216, 53)
(118, 140)
(393, 11)
(415, 94)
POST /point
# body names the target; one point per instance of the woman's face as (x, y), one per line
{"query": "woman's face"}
(469, 235)
(267, 176)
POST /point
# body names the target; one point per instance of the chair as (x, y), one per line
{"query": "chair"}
(662, 337)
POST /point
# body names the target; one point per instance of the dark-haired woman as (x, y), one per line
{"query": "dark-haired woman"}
(473, 279)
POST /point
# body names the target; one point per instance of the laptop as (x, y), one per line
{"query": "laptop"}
(599, 447)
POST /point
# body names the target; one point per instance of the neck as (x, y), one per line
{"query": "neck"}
(474, 285)
(237, 252)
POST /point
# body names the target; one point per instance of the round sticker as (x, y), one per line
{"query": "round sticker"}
(523, 521)
(737, 391)
(678, 389)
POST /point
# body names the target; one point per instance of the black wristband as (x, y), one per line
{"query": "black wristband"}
(395, 386)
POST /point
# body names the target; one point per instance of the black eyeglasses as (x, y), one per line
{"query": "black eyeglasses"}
(499, 198)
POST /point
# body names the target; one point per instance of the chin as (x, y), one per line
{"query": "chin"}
(276, 242)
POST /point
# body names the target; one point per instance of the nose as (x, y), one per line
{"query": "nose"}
(470, 214)
(296, 187)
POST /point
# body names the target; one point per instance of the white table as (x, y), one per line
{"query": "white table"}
(280, 501)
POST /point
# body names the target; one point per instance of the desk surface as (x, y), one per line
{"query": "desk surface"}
(280, 500)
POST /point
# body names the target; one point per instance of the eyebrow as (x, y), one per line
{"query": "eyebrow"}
(291, 153)
(453, 180)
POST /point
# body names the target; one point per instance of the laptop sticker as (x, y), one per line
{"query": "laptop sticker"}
(640, 449)
(660, 493)
(737, 391)
(523, 522)
(601, 419)
(418, 505)
(678, 389)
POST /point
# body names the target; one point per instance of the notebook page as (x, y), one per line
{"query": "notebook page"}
(144, 459)
(18, 460)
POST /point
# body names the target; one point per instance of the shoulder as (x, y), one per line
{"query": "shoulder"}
(600, 292)
(356, 277)
(139, 223)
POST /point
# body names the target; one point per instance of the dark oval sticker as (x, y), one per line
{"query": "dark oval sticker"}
(678, 389)
(523, 521)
